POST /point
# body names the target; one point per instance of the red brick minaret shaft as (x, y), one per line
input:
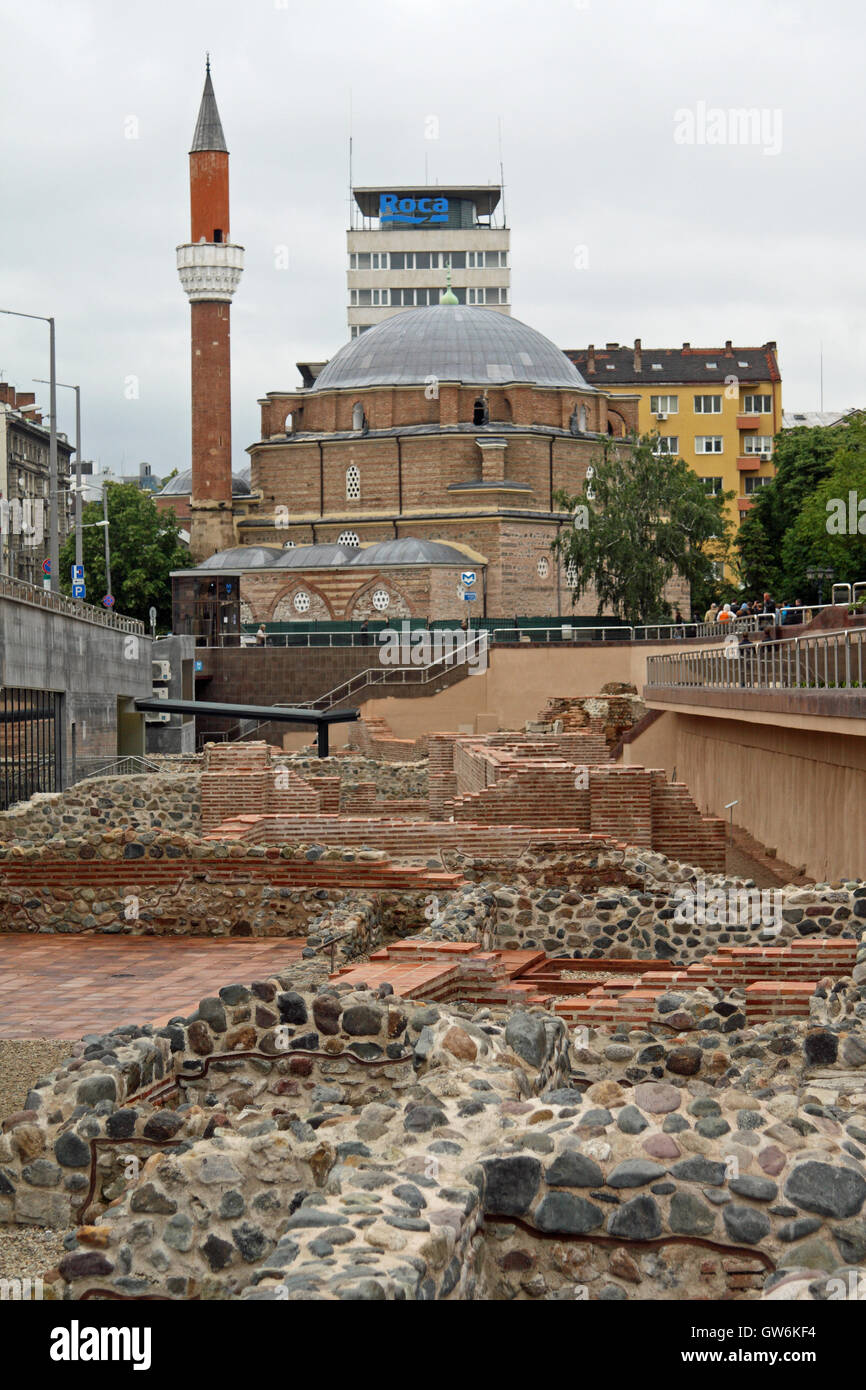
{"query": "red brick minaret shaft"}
(210, 268)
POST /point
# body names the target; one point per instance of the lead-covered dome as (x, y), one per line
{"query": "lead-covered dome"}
(477, 347)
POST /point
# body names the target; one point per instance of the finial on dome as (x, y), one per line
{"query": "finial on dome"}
(448, 296)
(207, 63)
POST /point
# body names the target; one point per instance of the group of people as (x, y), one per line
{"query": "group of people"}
(783, 614)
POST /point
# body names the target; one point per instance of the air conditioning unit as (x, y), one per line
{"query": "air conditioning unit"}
(157, 718)
(661, 415)
(765, 458)
(161, 670)
(160, 692)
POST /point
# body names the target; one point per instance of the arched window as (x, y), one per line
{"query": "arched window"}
(349, 538)
(582, 418)
(353, 483)
(289, 426)
(358, 417)
(571, 575)
(480, 414)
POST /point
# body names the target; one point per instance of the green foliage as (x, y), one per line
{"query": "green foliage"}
(786, 531)
(144, 549)
(640, 520)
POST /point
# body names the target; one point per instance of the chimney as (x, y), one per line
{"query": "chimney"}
(24, 398)
(5, 394)
(590, 358)
(729, 348)
(686, 347)
(637, 355)
(612, 347)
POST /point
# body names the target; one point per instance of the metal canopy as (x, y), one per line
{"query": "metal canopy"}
(320, 718)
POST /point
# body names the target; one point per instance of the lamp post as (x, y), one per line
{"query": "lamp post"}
(817, 575)
(79, 559)
(53, 533)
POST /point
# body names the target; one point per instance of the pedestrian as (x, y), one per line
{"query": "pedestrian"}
(365, 633)
(726, 615)
(710, 615)
(261, 636)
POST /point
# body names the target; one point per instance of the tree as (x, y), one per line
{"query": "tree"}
(803, 457)
(830, 529)
(641, 519)
(145, 548)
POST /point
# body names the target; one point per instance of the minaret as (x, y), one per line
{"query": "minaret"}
(210, 268)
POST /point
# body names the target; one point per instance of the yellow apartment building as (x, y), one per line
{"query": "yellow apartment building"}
(719, 409)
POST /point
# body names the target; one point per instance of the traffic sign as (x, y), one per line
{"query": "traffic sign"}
(108, 600)
(46, 566)
(467, 578)
(77, 574)
(470, 596)
(79, 591)
(152, 616)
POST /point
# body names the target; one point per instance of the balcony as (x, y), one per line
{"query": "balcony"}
(744, 504)
(749, 463)
(748, 422)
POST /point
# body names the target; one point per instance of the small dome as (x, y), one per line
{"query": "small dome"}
(242, 557)
(409, 551)
(181, 484)
(478, 347)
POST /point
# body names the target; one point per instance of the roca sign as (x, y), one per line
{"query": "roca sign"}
(416, 211)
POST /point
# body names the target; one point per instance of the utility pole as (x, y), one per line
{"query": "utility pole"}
(79, 554)
(107, 547)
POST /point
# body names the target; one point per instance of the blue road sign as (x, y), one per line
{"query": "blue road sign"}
(77, 574)
(470, 596)
(79, 591)
(468, 578)
(108, 600)
(46, 566)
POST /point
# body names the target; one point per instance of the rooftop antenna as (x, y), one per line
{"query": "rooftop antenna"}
(351, 217)
(821, 374)
(501, 173)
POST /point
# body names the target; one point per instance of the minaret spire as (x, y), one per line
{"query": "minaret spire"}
(210, 267)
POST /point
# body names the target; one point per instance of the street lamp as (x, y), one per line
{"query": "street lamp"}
(79, 559)
(815, 574)
(53, 533)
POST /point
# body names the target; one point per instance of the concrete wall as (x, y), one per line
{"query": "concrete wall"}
(800, 792)
(518, 683)
(92, 665)
(178, 735)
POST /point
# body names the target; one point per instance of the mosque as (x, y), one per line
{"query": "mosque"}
(416, 468)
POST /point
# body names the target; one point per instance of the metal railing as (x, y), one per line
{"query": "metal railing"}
(22, 592)
(817, 661)
(113, 767)
(461, 655)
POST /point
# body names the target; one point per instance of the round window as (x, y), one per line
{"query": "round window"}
(301, 601)
(543, 568)
(381, 600)
(348, 538)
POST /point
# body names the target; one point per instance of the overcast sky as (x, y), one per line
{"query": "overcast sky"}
(699, 242)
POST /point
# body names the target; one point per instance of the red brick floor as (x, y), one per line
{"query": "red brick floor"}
(63, 987)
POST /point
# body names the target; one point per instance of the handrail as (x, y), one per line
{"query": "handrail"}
(810, 661)
(113, 767)
(405, 675)
(22, 592)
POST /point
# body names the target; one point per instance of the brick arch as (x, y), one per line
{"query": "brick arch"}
(284, 610)
(614, 419)
(360, 605)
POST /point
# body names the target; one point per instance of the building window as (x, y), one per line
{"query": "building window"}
(755, 484)
(301, 601)
(357, 422)
(543, 568)
(381, 600)
(456, 259)
(708, 405)
(480, 412)
(758, 444)
(365, 297)
(667, 444)
(712, 485)
(348, 538)
(757, 405)
(289, 545)
(571, 574)
(708, 443)
(363, 260)
(665, 405)
(398, 260)
(353, 483)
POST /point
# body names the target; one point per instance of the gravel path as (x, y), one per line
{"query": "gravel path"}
(27, 1251)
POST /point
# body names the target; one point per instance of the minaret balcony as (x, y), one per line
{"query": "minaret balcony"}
(210, 269)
